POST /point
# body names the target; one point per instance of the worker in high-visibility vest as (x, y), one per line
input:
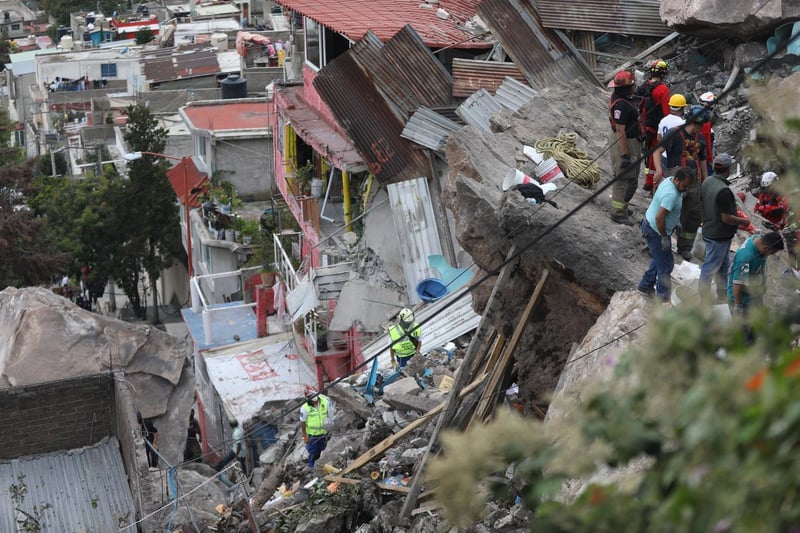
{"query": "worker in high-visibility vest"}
(316, 418)
(405, 338)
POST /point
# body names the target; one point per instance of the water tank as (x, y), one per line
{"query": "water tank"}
(66, 42)
(219, 40)
(234, 86)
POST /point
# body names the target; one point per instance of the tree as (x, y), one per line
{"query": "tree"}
(144, 36)
(151, 209)
(28, 256)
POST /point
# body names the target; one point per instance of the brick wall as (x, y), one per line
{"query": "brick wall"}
(54, 416)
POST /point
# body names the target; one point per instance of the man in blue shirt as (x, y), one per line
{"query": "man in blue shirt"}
(659, 222)
(747, 279)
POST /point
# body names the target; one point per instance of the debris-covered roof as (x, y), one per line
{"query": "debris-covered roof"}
(87, 489)
(169, 64)
(384, 18)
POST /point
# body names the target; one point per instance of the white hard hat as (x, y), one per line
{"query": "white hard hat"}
(767, 178)
(406, 315)
(707, 98)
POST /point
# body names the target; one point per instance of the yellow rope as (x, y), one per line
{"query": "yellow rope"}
(575, 164)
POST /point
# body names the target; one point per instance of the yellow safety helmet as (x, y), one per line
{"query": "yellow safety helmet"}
(406, 315)
(677, 101)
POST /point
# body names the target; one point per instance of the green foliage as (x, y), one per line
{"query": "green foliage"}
(28, 256)
(144, 36)
(716, 438)
(44, 165)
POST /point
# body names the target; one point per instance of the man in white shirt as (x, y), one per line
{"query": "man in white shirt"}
(677, 106)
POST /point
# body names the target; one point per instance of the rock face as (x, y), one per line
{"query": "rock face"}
(45, 337)
(723, 18)
(589, 257)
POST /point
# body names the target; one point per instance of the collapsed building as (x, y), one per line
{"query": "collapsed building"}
(578, 267)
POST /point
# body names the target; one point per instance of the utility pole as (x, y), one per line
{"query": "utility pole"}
(98, 149)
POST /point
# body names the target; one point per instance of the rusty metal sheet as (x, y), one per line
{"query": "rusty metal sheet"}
(541, 55)
(469, 75)
(635, 17)
(359, 89)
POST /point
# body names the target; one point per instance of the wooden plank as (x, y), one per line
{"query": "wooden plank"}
(377, 450)
(452, 403)
(666, 40)
(341, 479)
(394, 488)
(424, 508)
(489, 396)
(494, 355)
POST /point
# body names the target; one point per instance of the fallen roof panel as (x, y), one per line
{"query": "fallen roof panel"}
(248, 375)
(428, 128)
(469, 75)
(478, 109)
(87, 489)
(512, 94)
(353, 18)
(636, 17)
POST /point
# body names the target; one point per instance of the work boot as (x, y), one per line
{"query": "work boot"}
(647, 187)
(621, 218)
(686, 253)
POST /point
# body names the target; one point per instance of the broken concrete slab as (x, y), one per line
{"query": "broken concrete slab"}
(350, 400)
(370, 305)
(409, 402)
(402, 386)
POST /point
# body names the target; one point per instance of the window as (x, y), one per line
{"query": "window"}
(200, 147)
(15, 27)
(313, 43)
(108, 70)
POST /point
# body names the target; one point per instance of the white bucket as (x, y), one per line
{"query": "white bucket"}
(515, 177)
(548, 170)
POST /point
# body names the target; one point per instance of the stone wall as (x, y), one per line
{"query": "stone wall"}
(54, 416)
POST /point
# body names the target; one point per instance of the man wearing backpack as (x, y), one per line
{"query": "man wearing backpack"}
(653, 105)
(626, 145)
(686, 148)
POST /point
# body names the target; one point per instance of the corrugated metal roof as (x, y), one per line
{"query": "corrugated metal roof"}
(249, 374)
(538, 52)
(512, 94)
(385, 17)
(86, 487)
(417, 235)
(428, 128)
(440, 325)
(478, 109)
(637, 17)
(353, 86)
(469, 75)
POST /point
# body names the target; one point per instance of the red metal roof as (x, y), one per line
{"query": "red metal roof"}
(385, 18)
(233, 116)
(194, 180)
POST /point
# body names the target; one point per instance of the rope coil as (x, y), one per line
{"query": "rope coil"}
(575, 164)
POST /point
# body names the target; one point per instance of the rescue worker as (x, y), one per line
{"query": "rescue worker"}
(405, 338)
(720, 223)
(626, 145)
(771, 205)
(708, 99)
(316, 417)
(677, 108)
(655, 106)
(659, 222)
(685, 148)
(747, 280)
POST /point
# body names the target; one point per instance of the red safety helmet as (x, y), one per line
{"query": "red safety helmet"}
(623, 78)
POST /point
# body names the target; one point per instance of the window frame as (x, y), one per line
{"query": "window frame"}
(106, 68)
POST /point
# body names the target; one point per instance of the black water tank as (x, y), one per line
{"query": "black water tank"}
(234, 86)
(62, 31)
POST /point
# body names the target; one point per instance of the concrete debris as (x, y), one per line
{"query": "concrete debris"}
(402, 386)
(711, 18)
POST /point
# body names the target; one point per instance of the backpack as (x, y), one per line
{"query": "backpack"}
(650, 110)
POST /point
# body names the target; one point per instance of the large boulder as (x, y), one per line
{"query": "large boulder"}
(45, 337)
(724, 18)
(589, 257)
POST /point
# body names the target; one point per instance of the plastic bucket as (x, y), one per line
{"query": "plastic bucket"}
(515, 177)
(548, 170)
(431, 289)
